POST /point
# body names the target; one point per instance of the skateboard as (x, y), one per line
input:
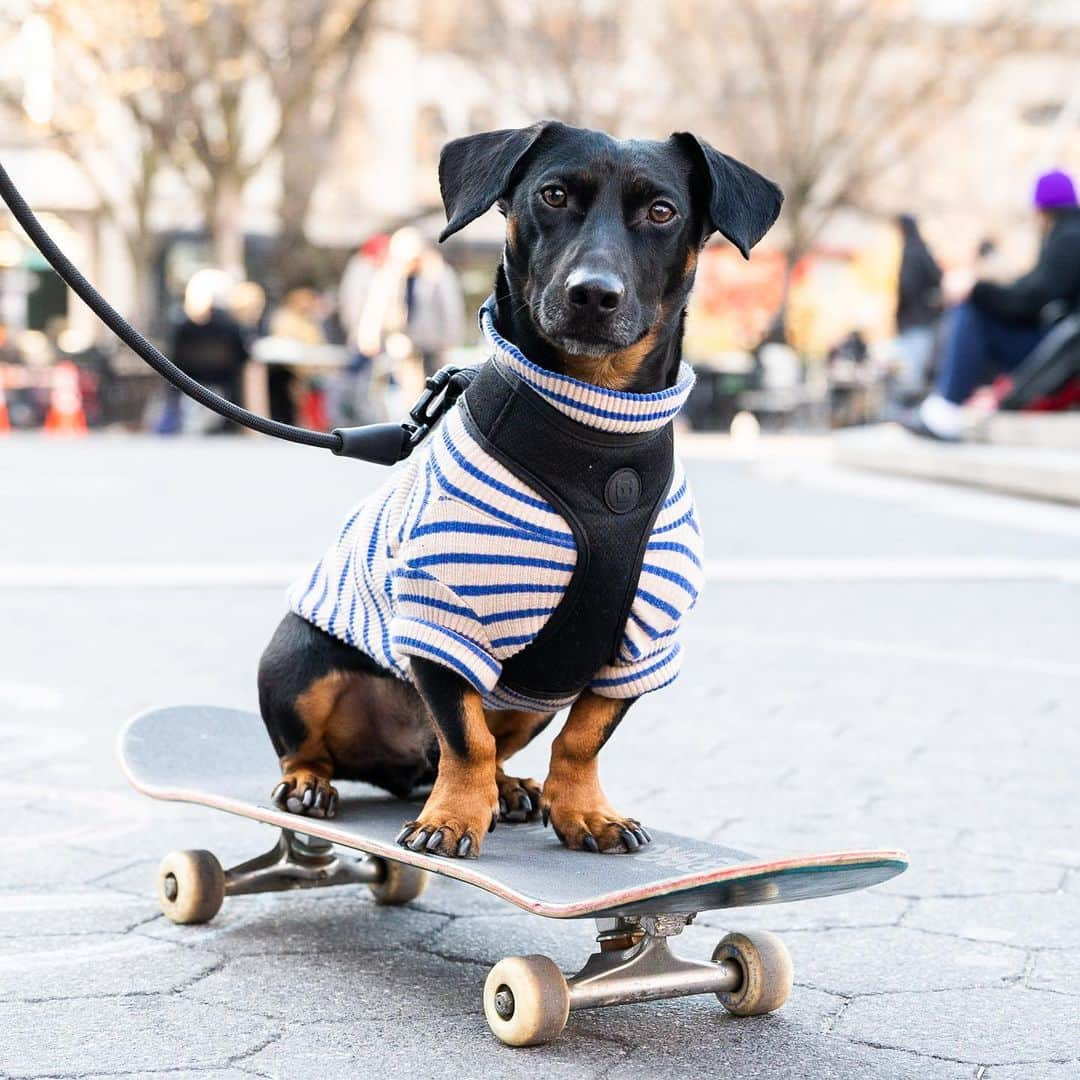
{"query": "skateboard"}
(222, 758)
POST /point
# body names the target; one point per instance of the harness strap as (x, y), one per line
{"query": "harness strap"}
(608, 488)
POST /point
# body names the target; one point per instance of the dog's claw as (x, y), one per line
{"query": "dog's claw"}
(278, 794)
(503, 808)
(494, 822)
(331, 807)
(526, 804)
(645, 833)
(464, 844)
(309, 797)
(629, 840)
(418, 841)
(545, 815)
(400, 838)
(590, 842)
(434, 840)
(320, 801)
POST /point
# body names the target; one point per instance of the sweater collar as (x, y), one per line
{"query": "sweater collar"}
(595, 406)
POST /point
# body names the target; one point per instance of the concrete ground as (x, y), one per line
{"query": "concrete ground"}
(876, 662)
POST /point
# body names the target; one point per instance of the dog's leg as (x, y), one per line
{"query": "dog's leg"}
(307, 765)
(582, 817)
(519, 797)
(464, 802)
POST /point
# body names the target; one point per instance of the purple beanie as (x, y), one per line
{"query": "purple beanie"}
(1054, 190)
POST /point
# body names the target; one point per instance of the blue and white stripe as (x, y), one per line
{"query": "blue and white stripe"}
(455, 559)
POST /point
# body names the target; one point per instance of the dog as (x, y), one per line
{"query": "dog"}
(541, 549)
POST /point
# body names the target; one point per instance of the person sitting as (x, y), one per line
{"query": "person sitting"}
(999, 325)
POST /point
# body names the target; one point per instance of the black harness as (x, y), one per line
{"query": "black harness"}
(608, 488)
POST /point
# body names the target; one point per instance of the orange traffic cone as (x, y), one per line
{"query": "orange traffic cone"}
(5, 419)
(65, 415)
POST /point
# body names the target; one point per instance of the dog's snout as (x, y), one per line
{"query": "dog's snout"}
(597, 291)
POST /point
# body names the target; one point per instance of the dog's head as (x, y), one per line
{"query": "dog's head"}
(602, 239)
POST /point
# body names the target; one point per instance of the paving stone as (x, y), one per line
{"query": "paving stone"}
(1056, 969)
(77, 911)
(884, 959)
(1057, 845)
(126, 1035)
(181, 1074)
(1047, 1070)
(981, 1026)
(319, 921)
(48, 867)
(868, 907)
(426, 1044)
(961, 873)
(1038, 920)
(766, 1048)
(374, 986)
(36, 968)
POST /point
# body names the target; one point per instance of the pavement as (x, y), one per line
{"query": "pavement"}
(875, 662)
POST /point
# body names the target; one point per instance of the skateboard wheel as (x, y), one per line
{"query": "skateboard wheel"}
(526, 1000)
(766, 972)
(191, 886)
(400, 883)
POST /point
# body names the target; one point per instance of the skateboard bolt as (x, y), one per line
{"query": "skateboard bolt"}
(504, 1002)
(170, 887)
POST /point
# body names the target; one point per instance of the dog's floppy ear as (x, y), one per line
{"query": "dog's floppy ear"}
(476, 171)
(742, 204)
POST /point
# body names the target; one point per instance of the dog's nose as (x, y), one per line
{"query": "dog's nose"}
(596, 291)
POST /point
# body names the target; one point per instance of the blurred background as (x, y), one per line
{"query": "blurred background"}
(274, 164)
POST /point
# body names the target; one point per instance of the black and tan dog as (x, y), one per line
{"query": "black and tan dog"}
(602, 242)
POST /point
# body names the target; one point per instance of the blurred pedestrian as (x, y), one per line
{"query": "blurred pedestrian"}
(918, 309)
(999, 325)
(414, 296)
(207, 345)
(354, 396)
(299, 319)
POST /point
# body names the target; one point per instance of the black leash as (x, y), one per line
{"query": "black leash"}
(384, 444)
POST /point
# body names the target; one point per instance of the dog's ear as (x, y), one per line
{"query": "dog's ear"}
(742, 204)
(477, 170)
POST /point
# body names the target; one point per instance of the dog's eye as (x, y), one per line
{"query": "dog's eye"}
(660, 213)
(554, 196)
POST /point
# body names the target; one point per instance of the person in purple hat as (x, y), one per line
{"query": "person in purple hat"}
(999, 325)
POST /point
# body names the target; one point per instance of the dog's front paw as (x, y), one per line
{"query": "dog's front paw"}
(586, 821)
(454, 827)
(304, 792)
(519, 799)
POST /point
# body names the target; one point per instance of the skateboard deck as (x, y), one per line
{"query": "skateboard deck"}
(222, 758)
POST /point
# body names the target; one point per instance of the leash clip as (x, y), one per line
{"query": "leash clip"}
(441, 390)
(387, 444)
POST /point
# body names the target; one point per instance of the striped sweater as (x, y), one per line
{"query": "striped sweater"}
(456, 560)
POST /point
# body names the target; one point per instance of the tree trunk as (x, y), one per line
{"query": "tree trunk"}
(226, 228)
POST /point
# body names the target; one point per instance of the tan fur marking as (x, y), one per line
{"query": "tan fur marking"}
(572, 793)
(513, 728)
(316, 708)
(465, 797)
(614, 370)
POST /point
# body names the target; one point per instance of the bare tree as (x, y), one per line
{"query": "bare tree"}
(211, 89)
(826, 96)
(560, 59)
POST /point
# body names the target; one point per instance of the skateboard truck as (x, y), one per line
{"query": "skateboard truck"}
(192, 885)
(527, 999)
